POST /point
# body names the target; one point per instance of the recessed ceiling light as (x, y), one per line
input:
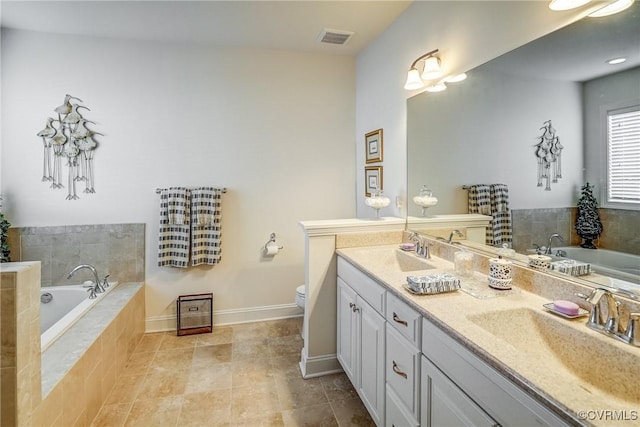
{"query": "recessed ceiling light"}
(615, 61)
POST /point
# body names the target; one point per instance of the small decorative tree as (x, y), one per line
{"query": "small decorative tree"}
(4, 247)
(588, 225)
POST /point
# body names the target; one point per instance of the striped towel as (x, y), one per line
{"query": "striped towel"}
(173, 247)
(493, 200)
(500, 231)
(206, 235)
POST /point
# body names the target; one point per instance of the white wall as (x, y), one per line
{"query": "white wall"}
(274, 127)
(467, 33)
(484, 131)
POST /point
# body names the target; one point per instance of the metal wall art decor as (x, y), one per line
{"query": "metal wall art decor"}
(549, 152)
(68, 137)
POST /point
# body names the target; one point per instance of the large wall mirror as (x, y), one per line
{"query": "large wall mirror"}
(484, 131)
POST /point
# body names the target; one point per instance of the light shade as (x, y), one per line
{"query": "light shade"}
(611, 8)
(413, 80)
(457, 78)
(432, 69)
(438, 87)
(566, 4)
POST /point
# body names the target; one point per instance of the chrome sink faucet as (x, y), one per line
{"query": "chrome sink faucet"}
(422, 247)
(557, 236)
(97, 287)
(630, 335)
(457, 233)
(611, 325)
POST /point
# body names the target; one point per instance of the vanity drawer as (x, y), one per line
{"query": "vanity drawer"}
(364, 285)
(395, 414)
(403, 370)
(404, 319)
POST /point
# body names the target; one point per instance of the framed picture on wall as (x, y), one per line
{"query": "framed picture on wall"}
(372, 180)
(373, 145)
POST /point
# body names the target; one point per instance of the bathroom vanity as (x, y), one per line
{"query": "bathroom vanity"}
(459, 359)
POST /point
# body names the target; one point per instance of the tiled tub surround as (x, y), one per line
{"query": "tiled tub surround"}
(20, 335)
(547, 379)
(536, 225)
(82, 366)
(67, 383)
(115, 249)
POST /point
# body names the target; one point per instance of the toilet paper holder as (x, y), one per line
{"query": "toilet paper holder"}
(271, 244)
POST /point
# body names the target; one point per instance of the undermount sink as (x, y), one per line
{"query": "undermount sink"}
(397, 259)
(557, 343)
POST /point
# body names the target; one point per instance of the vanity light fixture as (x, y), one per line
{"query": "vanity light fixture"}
(438, 87)
(566, 4)
(457, 78)
(612, 8)
(431, 71)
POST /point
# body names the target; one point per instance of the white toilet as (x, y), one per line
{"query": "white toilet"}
(300, 296)
(300, 299)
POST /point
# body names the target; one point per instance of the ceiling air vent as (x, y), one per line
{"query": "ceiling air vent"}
(334, 36)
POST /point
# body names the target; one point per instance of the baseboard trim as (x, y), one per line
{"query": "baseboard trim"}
(318, 366)
(229, 317)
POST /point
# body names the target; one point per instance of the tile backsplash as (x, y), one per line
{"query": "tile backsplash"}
(114, 249)
(536, 225)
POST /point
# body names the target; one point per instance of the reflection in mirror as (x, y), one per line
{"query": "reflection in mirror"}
(484, 131)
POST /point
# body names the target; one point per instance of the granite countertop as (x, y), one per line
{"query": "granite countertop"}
(560, 362)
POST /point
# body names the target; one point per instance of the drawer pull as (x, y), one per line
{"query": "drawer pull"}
(351, 305)
(398, 371)
(398, 320)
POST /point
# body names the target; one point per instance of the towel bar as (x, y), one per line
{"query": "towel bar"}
(159, 190)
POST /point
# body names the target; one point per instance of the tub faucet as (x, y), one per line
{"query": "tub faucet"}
(556, 235)
(97, 288)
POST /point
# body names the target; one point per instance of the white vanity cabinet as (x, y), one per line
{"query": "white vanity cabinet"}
(457, 385)
(361, 336)
(409, 372)
(444, 404)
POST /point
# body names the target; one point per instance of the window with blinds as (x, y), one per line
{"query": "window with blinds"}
(623, 156)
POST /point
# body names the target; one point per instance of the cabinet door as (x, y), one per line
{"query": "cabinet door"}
(371, 359)
(347, 348)
(444, 404)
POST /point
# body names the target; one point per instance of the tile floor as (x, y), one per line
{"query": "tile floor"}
(240, 375)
